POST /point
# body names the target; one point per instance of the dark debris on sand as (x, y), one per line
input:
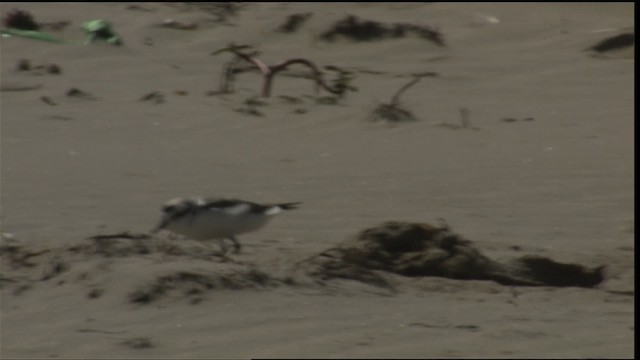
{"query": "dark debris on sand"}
(20, 19)
(139, 343)
(417, 249)
(615, 42)
(293, 22)
(354, 28)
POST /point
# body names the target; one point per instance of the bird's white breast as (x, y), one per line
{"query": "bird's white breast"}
(218, 223)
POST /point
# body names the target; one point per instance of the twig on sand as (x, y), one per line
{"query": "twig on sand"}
(392, 112)
(465, 123)
(395, 100)
(245, 52)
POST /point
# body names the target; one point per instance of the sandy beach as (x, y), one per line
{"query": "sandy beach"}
(516, 132)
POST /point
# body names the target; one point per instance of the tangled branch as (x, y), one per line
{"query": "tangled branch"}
(244, 52)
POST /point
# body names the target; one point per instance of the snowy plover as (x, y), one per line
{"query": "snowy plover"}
(217, 219)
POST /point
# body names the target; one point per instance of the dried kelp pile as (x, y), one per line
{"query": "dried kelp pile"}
(415, 249)
(356, 29)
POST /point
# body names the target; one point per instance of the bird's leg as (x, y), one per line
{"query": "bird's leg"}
(223, 247)
(236, 244)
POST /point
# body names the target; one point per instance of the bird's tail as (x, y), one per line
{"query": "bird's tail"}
(289, 206)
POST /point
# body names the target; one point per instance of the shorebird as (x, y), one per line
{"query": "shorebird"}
(217, 219)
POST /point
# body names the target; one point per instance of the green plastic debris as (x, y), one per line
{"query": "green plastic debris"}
(101, 30)
(31, 34)
(96, 30)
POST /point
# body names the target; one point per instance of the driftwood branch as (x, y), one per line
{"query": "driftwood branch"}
(269, 71)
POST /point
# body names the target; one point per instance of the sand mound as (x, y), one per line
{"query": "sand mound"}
(414, 249)
(176, 269)
(141, 268)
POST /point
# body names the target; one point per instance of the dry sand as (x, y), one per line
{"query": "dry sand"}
(559, 184)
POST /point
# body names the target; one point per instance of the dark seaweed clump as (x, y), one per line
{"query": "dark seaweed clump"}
(20, 19)
(615, 42)
(416, 249)
(294, 22)
(368, 30)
